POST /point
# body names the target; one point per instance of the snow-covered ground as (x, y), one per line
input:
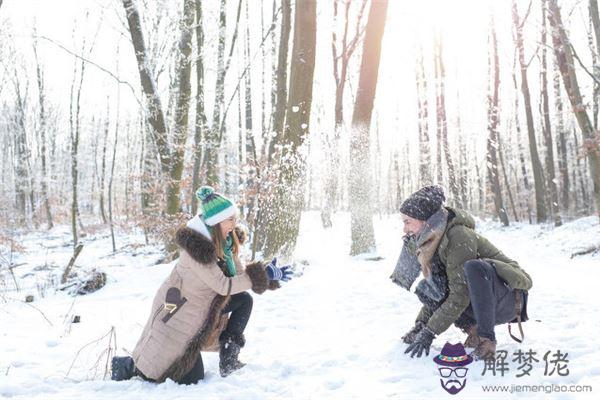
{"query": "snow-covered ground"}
(333, 332)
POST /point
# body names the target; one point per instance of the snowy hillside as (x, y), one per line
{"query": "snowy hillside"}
(332, 332)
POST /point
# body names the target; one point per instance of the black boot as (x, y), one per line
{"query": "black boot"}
(229, 352)
(122, 368)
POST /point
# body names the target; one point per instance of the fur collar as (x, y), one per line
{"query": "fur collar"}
(198, 246)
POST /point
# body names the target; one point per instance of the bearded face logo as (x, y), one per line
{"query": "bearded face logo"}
(452, 363)
(453, 380)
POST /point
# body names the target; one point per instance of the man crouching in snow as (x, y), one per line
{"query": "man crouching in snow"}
(467, 280)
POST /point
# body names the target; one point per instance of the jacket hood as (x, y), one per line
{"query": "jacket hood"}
(460, 217)
(198, 246)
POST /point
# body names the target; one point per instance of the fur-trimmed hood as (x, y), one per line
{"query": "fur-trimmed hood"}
(198, 246)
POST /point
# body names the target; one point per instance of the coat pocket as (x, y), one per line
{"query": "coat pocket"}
(173, 303)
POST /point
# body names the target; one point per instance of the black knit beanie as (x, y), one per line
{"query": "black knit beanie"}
(423, 203)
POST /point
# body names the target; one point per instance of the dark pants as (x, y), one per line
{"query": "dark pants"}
(492, 301)
(195, 374)
(240, 307)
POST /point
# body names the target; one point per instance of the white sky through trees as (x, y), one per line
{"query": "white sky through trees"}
(463, 26)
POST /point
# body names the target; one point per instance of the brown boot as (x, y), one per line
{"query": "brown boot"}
(472, 337)
(485, 350)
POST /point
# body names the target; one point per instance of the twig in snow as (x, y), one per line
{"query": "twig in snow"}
(65, 274)
(35, 308)
(589, 250)
(110, 332)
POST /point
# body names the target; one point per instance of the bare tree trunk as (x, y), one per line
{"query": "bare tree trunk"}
(247, 140)
(42, 130)
(425, 177)
(363, 239)
(595, 22)
(547, 129)
(215, 134)
(535, 158)
(283, 228)
(201, 121)
(281, 77)
(595, 18)
(564, 56)
(462, 159)
(21, 151)
(506, 182)
(155, 114)
(103, 171)
(442, 121)
(268, 130)
(171, 159)
(274, 135)
(521, 152)
(480, 187)
(341, 58)
(241, 158)
(578, 176)
(492, 141)
(182, 106)
(110, 180)
(212, 135)
(149, 169)
(563, 167)
(263, 72)
(129, 170)
(74, 113)
(249, 137)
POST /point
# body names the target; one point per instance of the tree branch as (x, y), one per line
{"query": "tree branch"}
(244, 74)
(235, 34)
(101, 68)
(583, 66)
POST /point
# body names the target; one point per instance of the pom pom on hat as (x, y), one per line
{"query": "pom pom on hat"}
(215, 207)
(204, 192)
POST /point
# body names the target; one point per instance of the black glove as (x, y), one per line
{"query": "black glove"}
(422, 342)
(410, 336)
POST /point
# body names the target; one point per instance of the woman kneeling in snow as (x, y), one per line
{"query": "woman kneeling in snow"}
(190, 312)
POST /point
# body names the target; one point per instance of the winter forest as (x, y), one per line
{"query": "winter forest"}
(114, 112)
(502, 110)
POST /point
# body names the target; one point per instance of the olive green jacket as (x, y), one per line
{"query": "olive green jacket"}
(459, 244)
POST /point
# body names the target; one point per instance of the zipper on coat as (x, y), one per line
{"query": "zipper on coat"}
(162, 306)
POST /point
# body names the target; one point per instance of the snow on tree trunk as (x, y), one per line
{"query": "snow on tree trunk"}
(547, 129)
(492, 141)
(182, 106)
(284, 221)
(442, 123)
(533, 150)
(360, 175)
(566, 65)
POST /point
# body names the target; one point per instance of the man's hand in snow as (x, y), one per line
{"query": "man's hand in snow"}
(422, 343)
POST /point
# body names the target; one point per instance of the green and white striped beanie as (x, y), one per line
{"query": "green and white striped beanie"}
(215, 207)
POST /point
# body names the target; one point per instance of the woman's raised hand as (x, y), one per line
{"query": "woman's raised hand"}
(276, 273)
